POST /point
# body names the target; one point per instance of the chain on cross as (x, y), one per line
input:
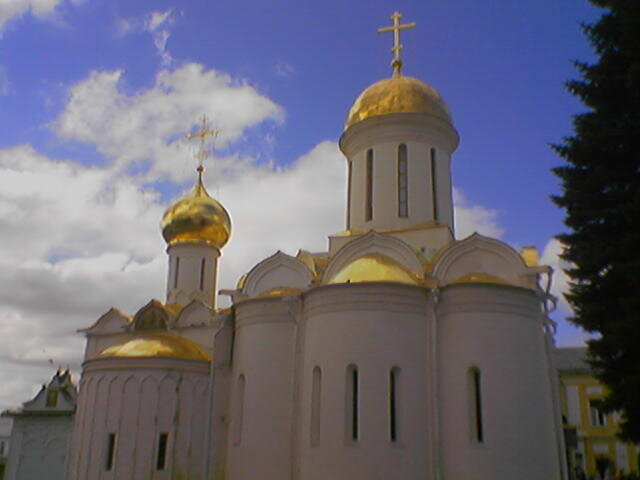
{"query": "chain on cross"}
(202, 134)
(396, 63)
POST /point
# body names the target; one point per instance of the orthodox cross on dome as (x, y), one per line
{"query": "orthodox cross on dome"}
(202, 134)
(396, 63)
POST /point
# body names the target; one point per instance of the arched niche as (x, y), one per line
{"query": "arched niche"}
(113, 321)
(279, 270)
(374, 243)
(483, 259)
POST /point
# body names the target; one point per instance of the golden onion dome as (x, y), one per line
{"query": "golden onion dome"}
(375, 268)
(197, 218)
(156, 345)
(398, 95)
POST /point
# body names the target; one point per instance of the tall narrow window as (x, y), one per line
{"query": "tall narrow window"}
(175, 276)
(349, 173)
(316, 392)
(203, 264)
(239, 407)
(161, 458)
(353, 404)
(434, 184)
(394, 379)
(111, 451)
(475, 386)
(403, 197)
(598, 417)
(368, 214)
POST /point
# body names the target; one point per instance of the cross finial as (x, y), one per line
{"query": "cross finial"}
(202, 153)
(396, 63)
(204, 132)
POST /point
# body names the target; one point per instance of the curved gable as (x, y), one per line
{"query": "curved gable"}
(152, 316)
(196, 313)
(113, 321)
(480, 259)
(373, 244)
(279, 270)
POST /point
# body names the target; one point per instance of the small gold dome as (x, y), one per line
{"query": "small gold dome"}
(375, 268)
(398, 95)
(197, 218)
(159, 345)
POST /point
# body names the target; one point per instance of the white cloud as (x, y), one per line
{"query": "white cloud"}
(10, 9)
(284, 69)
(471, 218)
(156, 19)
(147, 126)
(160, 35)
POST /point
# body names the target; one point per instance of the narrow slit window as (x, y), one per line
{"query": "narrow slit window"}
(394, 377)
(161, 459)
(316, 392)
(368, 215)
(349, 173)
(111, 451)
(434, 184)
(175, 277)
(203, 264)
(353, 400)
(403, 197)
(475, 383)
(237, 430)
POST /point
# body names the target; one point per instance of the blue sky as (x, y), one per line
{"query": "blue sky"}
(95, 96)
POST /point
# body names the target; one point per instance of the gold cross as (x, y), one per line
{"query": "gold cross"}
(396, 63)
(202, 134)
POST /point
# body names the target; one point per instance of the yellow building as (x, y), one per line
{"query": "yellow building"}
(592, 446)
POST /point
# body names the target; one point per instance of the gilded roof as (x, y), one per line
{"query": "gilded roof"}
(398, 95)
(156, 345)
(374, 268)
(197, 218)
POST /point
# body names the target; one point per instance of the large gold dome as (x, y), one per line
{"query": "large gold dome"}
(159, 345)
(398, 95)
(197, 218)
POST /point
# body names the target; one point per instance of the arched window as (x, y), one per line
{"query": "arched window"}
(475, 404)
(434, 184)
(203, 264)
(161, 454)
(177, 271)
(368, 213)
(403, 197)
(394, 384)
(239, 408)
(316, 393)
(352, 416)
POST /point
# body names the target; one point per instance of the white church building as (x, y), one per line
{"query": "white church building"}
(399, 353)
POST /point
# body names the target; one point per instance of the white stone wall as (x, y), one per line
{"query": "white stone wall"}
(137, 399)
(374, 327)
(39, 447)
(499, 331)
(260, 442)
(420, 133)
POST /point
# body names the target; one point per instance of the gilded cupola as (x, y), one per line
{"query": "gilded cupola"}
(196, 218)
(398, 94)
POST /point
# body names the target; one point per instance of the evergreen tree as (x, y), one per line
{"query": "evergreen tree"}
(601, 196)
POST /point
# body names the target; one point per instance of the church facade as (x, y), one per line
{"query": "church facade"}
(400, 352)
